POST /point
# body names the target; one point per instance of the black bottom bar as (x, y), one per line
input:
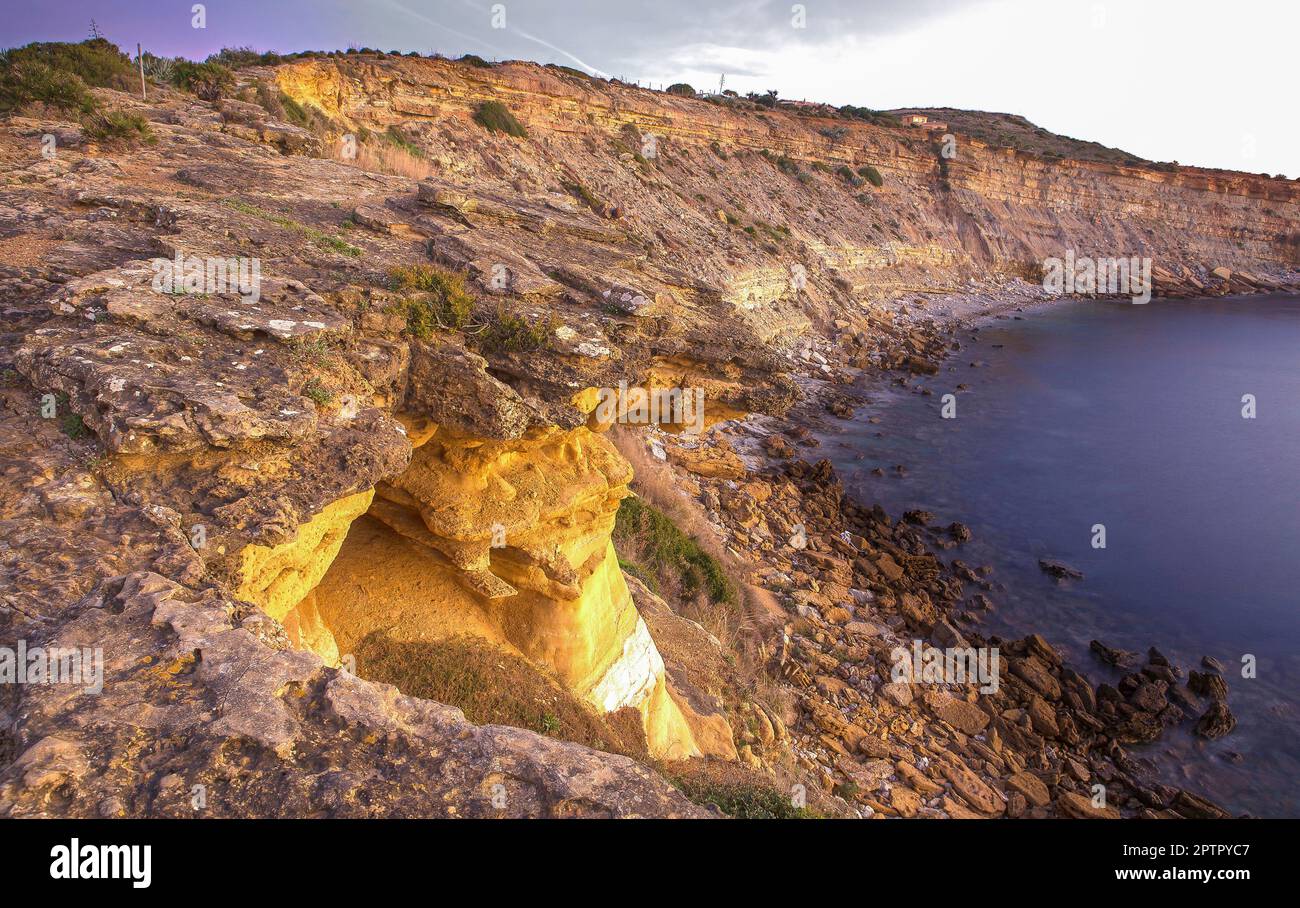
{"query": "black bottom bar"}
(328, 857)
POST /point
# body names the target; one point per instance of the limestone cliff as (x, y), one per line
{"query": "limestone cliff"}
(946, 218)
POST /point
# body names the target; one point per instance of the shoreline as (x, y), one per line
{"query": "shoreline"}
(1038, 750)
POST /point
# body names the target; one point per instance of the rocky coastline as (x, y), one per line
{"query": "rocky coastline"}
(856, 586)
(230, 489)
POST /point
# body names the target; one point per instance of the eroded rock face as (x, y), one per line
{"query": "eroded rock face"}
(507, 540)
(238, 723)
(279, 578)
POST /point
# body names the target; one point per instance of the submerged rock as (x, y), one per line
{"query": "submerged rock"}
(1059, 569)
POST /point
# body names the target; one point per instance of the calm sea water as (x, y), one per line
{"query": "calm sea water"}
(1131, 417)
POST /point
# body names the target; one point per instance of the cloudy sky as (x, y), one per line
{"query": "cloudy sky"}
(1197, 81)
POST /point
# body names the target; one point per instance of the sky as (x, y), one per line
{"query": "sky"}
(1200, 82)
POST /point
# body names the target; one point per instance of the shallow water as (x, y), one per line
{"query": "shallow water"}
(1131, 417)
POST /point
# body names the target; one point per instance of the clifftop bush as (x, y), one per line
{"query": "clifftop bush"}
(239, 57)
(96, 62)
(58, 73)
(210, 81)
(33, 82)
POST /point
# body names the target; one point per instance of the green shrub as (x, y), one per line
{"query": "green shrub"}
(438, 298)
(495, 117)
(871, 116)
(742, 800)
(70, 423)
(239, 57)
(95, 62)
(669, 550)
(788, 166)
(645, 575)
(475, 60)
(271, 100)
(210, 81)
(872, 175)
(569, 70)
(122, 127)
(582, 192)
(846, 173)
(34, 82)
(395, 136)
(317, 392)
(681, 88)
(298, 115)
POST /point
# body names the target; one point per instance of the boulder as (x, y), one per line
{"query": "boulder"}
(1216, 722)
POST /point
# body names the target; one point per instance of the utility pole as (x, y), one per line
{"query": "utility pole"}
(139, 56)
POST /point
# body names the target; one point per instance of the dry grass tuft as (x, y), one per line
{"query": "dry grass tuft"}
(491, 686)
(385, 157)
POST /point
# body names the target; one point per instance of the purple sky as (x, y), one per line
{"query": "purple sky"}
(165, 27)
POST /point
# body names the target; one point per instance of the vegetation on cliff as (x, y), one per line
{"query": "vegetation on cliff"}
(507, 332)
(496, 117)
(737, 793)
(59, 74)
(673, 561)
(95, 62)
(437, 298)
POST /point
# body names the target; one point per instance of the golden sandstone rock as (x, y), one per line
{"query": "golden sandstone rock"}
(279, 578)
(506, 540)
